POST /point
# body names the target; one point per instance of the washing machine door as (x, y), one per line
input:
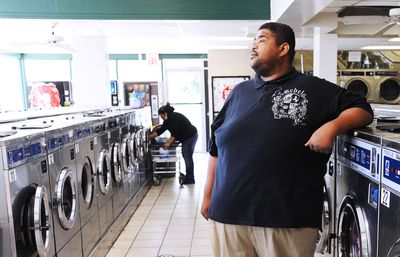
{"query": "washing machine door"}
(87, 183)
(323, 233)
(145, 136)
(358, 87)
(133, 148)
(116, 163)
(32, 226)
(389, 89)
(394, 250)
(125, 154)
(104, 172)
(66, 200)
(353, 239)
(139, 144)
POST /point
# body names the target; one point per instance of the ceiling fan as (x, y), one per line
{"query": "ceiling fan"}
(53, 40)
(379, 19)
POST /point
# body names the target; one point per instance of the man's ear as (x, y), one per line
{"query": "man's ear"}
(284, 49)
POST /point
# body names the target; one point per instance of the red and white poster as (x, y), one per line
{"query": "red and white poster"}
(221, 88)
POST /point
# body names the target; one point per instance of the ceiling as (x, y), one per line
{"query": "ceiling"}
(127, 37)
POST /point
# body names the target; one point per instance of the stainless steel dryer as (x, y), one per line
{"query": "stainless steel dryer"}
(361, 82)
(87, 185)
(26, 196)
(357, 179)
(64, 190)
(387, 83)
(389, 218)
(326, 242)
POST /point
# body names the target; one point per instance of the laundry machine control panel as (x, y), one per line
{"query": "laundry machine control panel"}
(20, 153)
(391, 169)
(361, 156)
(99, 127)
(83, 132)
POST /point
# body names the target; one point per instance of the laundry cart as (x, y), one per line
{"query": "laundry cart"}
(165, 162)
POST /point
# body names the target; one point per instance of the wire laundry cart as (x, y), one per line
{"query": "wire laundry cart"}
(165, 162)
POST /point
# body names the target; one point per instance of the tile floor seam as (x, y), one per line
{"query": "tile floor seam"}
(130, 246)
(170, 218)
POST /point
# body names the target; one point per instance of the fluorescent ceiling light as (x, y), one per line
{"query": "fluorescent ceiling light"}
(395, 39)
(222, 38)
(381, 47)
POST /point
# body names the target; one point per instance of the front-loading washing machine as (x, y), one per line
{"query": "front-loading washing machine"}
(357, 177)
(326, 243)
(64, 190)
(389, 218)
(113, 130)
(360, 82)
(26, 196)
(87, 185)
(103, 171)
(387, 84)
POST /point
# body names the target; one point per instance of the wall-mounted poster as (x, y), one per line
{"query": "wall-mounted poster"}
(221, 87)
(44, 94)
(114, 92)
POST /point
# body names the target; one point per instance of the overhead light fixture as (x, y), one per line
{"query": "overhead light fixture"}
(395, 39)
(380, 47)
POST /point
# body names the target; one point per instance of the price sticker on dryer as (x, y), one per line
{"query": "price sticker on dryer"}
(385, 197)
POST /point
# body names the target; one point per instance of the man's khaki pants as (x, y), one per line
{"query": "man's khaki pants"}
(250, 241)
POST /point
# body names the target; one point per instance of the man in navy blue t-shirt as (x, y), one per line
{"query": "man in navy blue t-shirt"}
(268, 153)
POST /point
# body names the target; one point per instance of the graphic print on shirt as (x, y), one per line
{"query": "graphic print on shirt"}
(290, 104)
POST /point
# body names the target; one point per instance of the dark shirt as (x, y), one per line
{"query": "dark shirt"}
(179, 126)
(265, 176)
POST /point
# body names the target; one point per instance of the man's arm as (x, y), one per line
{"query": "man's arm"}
(212, 165)
(153, 135)
(323, 138)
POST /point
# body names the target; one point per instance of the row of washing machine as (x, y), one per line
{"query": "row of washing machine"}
(71, 182)
(378, 86)
(362, 196)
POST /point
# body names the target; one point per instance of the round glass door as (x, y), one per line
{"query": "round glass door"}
(116, 163)
(389, 89)
(31, 212)
(395, 250)
(125, 154)
(352, 233)
(323, 233)
(66, 198)
(87, 183)
(358, 87)
(104, 172)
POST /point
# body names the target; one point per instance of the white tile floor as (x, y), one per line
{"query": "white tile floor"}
(168, 221)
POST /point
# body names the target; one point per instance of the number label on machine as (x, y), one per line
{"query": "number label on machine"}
(385, 197)
(95, 140)
(13, 175)
(77, 148)
(51, 159)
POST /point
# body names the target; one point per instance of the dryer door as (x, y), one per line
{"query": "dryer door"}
(323, 234)
(353, 238)
(104, 172)
(87, 183)
(358, 87)
(389, 90)
(66, 201)
(31, 212)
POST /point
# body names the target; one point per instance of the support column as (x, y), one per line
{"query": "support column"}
(325, 55)
(90, 80)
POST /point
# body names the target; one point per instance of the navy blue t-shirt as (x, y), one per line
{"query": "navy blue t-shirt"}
(265, 176)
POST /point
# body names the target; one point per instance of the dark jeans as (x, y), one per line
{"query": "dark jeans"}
(187, 153)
